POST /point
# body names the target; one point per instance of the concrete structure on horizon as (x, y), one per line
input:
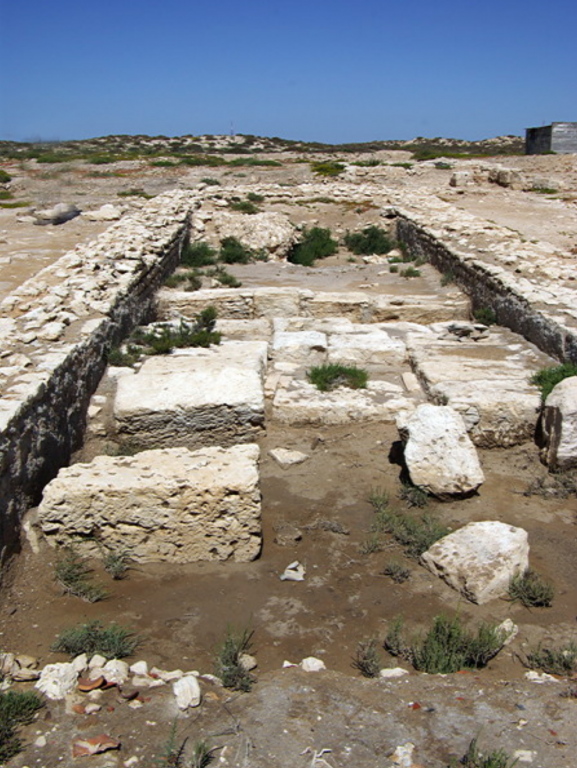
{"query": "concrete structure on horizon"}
(560, 138)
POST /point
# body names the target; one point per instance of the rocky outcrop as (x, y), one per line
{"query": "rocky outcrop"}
(174, 505)
(440, 457)
(480, 559)
(269, 232)
(559, 427)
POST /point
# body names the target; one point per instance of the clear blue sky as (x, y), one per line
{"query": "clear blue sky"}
(318, 70)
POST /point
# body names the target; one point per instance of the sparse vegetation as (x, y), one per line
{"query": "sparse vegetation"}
(485, 315)
(333, 375)
(135, 193)
(232, 251)
(398, 572)
(16, 709)
(410, 272)
(447, 647)
(447, 278)
(545, 190)
(327, 168)
(498, 758)
(531, 589)
(112, 642)
(224, 278)
(316, 243)
(548, 378)
(443, 166)
(367, 659)
(371, 240)
(371, 545)
(162, 338)
(555, 661)
(228, 661)
(413, 495)
(210, 181)
(4, 176)
(198, 254)
(74, 575)
(243, 206)
(117, 563)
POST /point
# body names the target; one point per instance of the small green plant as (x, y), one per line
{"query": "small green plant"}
(398, 572)
(447, 647)
(371, 545)
(545, 190)
(232, 251)
(371, 240)
(112, 642)
(123, 357)
(414, 534)
(202, 754)
(410, 272)
(498, 758)
(443, 166)
(531, 589)
(5, 194)
(548, 378)
(413, 495)
(16, 709)
(228, 660)
(393, 268)
(74, 575)
(4, 176)
(555, 661)
(254, 197)
(135, 193)
(224, 278)
(210, 181)
(485, 315)
(163, 337)
(243, 206)
(402, 165)
(197, 255)
(316, 243)
(367, 659)
(372, 163)
(163, 164)
(117, 563)
(447, 278)
(332, 375)
(327, 168)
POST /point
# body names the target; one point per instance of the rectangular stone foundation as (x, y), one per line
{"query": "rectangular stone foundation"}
(170, 505)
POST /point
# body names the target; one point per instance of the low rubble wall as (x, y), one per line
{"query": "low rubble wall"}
(57, 329)
(542, 313)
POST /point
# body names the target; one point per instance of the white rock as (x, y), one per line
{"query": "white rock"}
(57, 680)
(439, 454)
(59, 214)
(97, 661)
(559, 426)
(80, 662)
(116, 671)
(293, 572)
(247, 662)
(139, 668)
(187, 692)
(106, 212)
(393, 672)
(284, 457)
(508, 631)
(167, 677)
(539, 677)
(480, 559)
(403, 755)
(312, 664)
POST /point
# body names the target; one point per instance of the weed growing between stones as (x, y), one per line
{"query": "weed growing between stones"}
(192, 278)
(4, 177)
(316, 243)
(163, 338)
(197, 255)
(232, 251)
(447, 647)
(398, 572)
(414, 534)
(561, 485)
(555, 661)
(498, 758)
(117, 563)
(531, 589)
(485, 315)
(244, 206)
(410, 272)
(173, 753)
(121, 358)
(413, 495)
(223, 277)
(16, 708)
(74, 575)
(371, 545)
(447, 278)
(332, 375)
(113, 642)
(367, 659)
(228, 660)
(210, 181)
(371, 240)
(548, 378)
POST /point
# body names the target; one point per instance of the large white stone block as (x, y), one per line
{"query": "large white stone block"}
(559, 424)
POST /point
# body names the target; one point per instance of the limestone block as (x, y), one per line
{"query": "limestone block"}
(306, 347)
(245, 330)
(271, 231)
(273, 302)
(229, 303)
(559, 426)
(480, 559)
(211, 396)
(439, 454)
(366, 347)
(419, 309)
(174, 505)
(355, 306)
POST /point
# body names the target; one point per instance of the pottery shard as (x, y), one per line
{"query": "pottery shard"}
(196, 398)
(480, 559)
(439, 454)
(174, 505)
(559, 427)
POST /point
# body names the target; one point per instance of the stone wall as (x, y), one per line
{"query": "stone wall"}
(57, 329)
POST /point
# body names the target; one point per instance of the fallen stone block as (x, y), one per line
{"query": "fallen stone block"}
(480, 559)
(195, 398)
(440, 457)
(173, 505)
(559, 427)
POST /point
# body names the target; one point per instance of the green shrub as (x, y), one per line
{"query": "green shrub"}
(163, 338)
(447, 647)
(371, 545)
(120, 358)
(332, 375)
(98, 159)
(371, 240)
(163, 164)
(367, 659)
(316, 243)
(255, 197)
(531, 589)
(555, 661)
(112, 642)
(232, 251)
(4, 176)
(393, 268)
(224, 278)
(372, 163)
(75, 577)
(485, 315)
(447, 278)
(495, 759)
(402, 165)
(16, 708)
(327, 168)
(545, 190)
(254, 161)
(410, 272)
(5, 194)
(210, 181)
(442, 166)
(398, 572)
(548, 378)
(197, 254)
(135, 193)
(243, 206)
(227, 664)
(212, 161)
(117, 563)
(414, 495)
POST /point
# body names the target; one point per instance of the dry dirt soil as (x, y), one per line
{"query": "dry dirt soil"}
(317, 513)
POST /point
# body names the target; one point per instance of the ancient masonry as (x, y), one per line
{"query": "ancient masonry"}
(58, 327)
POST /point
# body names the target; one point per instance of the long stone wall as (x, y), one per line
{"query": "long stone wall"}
(57, 329)
(528, 289)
